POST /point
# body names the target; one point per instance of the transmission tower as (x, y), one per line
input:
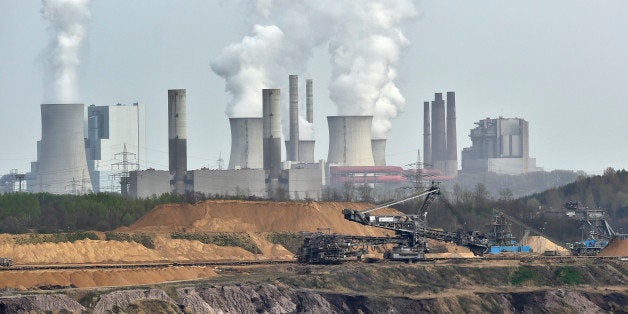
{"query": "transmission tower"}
(122, 177)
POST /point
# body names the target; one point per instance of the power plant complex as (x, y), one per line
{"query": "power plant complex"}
(109, 158)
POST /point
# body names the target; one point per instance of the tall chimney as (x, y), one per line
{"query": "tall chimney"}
(177, 139)
(272, 131)
(439, 144)
(293, 150)
(452, 148)
(427, 138)
(309, 101)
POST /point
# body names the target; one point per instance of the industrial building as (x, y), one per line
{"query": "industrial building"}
(499, 145)
(115, 144)
(61, 166)
(439, 134)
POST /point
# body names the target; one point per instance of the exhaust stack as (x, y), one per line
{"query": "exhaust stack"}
(293, 148)
(177, 139)
(427, 138)
(309, 101)
(439, 144)
(272, 131)
(452, 147)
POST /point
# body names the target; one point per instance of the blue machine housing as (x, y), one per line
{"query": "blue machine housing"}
(496, 249)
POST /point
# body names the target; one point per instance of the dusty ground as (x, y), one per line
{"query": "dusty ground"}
(22, 280)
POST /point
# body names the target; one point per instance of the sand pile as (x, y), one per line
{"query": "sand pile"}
(82, 251)
(617, 247)
(249, 216)
(541, 244)
(100, 278)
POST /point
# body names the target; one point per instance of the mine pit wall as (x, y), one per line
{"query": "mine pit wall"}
(366, 288)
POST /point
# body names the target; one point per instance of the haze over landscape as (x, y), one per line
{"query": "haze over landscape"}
(560, 65)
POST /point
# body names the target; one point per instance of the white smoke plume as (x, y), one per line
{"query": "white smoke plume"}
(67, 20)
(364, 42)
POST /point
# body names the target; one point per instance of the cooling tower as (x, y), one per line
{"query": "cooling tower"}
(306, 151)
(293, 150)
(452, 148)
(350, 140)
(177, 139)
(246, 143)
(379, 151)
(309, 101)
(62, 163)
(427, 138)
(439, 145)
(272, 131)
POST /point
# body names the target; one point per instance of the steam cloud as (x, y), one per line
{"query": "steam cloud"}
(364, 43)
(67, 19)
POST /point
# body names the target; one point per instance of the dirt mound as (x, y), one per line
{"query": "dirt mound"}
(82, 251)
(617, 247)
(100, 278)
(541, 244)
(249, 216)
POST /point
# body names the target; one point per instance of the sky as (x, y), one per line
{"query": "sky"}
(561, 65)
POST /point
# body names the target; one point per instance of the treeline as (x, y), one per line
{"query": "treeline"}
(48, 213)
(472, 209)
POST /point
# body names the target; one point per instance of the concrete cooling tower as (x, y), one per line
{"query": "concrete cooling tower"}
(379, 151)
(350, 140)
(246, 143)
(62, 164)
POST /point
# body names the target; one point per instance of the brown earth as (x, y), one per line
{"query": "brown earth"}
(100, 278)
(250, 216)
(617, 247)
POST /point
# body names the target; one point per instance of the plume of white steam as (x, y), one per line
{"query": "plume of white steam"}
(364, 41)
(246, 68)
(67, 20)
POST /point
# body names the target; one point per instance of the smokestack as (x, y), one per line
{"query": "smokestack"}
(246, 143)
(309, 101)
(452, 148)
(379, 151)
(350, 140)
(177, 139)
(439, 145)
(62, 161)
(272, 131)
(427, 138)
(293, 149)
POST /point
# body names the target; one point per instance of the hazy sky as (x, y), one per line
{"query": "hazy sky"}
(561, 65)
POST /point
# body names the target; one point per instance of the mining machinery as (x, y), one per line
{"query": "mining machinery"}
(409, 242)
(596, 231)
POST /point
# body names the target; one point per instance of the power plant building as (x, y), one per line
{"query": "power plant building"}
(499, 145)
(242, 182)
(149, 183)
(116, 142)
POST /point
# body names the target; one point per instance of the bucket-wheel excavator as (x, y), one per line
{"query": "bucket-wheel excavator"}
(409, 242)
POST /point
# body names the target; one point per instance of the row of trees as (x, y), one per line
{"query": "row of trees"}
(43, 212)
